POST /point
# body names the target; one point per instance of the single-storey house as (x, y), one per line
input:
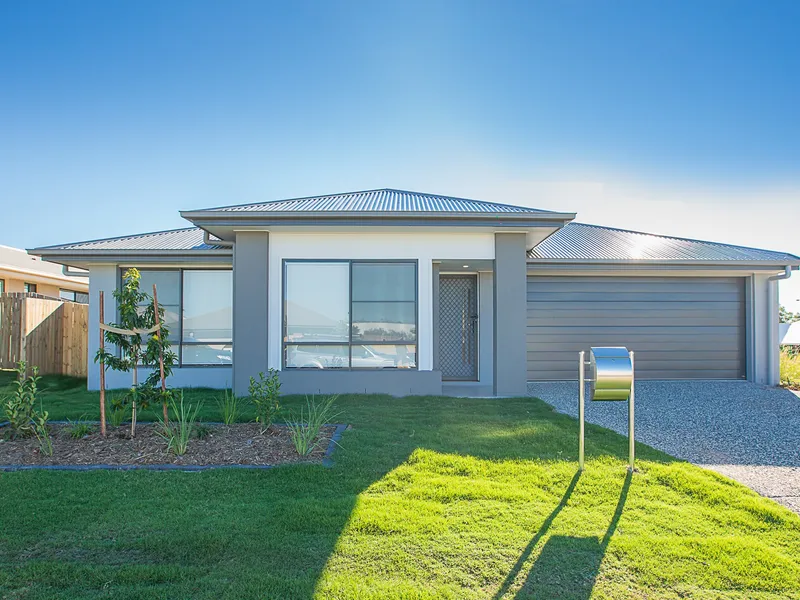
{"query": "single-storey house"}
(410, 293)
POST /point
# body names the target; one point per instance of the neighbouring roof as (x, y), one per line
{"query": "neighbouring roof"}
(583, 242)
(789, 334)
(378, 201)
(190, 238)
(19, 261)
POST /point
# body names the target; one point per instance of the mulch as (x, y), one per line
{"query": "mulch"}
(238, 444)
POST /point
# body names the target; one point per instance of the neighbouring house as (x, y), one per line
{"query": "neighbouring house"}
(789, 334)
(22, 273)
(409, 293)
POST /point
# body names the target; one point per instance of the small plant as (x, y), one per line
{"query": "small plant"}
(264, 393)
(118, 410)
(20, 407)
(177, 432)
(81, 428)
(42, 434)
(202, 431)
(305, 429)
(229, 407)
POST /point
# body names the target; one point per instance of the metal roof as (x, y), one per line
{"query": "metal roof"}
(190, 238)
(378, 201)
(583, 242)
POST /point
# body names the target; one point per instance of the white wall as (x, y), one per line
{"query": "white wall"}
(424, 247)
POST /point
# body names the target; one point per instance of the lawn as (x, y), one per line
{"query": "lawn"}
(428, 498)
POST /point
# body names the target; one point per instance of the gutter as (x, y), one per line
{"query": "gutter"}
(218, 242)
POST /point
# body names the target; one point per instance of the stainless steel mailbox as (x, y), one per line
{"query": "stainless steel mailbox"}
(612, 373)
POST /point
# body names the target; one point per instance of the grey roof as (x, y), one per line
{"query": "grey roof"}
(379, 201)
(583, 242)
(190, 238)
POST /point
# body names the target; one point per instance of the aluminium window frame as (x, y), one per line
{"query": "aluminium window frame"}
(180, 343)
(349, 343)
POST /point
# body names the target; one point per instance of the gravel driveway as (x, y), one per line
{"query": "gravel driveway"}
(746, 431)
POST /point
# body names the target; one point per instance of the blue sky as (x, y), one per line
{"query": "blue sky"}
(672, 117)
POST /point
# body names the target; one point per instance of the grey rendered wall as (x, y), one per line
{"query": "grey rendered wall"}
(394, 383)
(764, 344)
(485, 329)
(435, 314)
(679, 327)
(250, 286)
(510, 307)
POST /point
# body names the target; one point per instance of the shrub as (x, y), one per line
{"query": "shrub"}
(305, 429)
(80, 428)
(790, 370)
(229, 407)
(264, 394)
(178, 431)
(20, 407)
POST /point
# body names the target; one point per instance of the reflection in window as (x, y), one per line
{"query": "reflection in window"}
(198, 309)
(382, 356)
(317, 302)
(310, 356)
(347, 304)
(168, 288)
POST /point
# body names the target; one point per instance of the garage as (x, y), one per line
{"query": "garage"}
(679, 327)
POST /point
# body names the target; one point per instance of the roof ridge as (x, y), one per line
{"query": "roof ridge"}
(682, 239)
(368, 191)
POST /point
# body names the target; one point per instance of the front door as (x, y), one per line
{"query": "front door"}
(458, 327)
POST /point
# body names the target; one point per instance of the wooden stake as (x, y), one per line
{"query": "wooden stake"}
(161, 358)
(102, 375)
(133, 403)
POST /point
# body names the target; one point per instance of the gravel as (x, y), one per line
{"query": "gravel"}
(746, 431)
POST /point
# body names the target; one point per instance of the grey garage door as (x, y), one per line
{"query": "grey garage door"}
(680, 328)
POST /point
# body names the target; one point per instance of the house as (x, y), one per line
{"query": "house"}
(409, 293)
(22, 273)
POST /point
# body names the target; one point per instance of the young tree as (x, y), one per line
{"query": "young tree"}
(137, 312)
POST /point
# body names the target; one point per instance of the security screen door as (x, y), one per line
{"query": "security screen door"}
(458, 327)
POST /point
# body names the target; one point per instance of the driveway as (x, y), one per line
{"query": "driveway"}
(746, 431)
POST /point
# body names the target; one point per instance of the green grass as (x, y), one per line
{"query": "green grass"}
(790, 369)
(429, 498)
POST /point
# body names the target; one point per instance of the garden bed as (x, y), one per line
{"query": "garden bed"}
(240, 444)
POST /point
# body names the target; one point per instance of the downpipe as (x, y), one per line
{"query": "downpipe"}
(772, 329)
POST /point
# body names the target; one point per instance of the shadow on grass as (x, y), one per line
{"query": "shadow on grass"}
(271, 534)
(567, 566)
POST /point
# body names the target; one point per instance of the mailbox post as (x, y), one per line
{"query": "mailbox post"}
(612, 379)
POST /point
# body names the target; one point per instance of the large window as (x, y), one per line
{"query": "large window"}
(350, 315)
(198, 311)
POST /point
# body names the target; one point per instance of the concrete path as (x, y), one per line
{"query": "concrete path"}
(746, 431)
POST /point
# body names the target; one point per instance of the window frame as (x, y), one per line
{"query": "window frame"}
(26, 287)
(349, 343)
(2, 286)
(180, 343)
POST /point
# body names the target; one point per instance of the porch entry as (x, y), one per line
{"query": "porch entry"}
(458, 327)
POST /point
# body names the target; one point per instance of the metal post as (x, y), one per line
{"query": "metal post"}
(631, 442)
(581, 393)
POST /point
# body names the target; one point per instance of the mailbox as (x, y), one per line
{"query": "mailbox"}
(612, 374)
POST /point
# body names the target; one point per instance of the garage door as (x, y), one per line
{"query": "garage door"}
(680, 328)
